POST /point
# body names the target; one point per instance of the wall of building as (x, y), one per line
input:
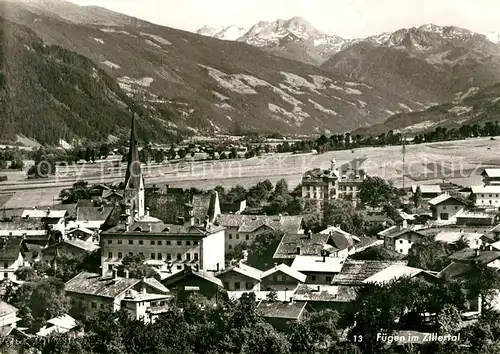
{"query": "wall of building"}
(166, 247)
(9, 267)
(451, 210)
(278, 282)
(231, 280)
(322, 278)
(212, 252)
(487, 200)
(402, 245)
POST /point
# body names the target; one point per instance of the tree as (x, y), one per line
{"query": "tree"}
(236, 194)
(40, 300)
(182, 153)
(429, 254)
(104, 150)
(261, 251)
(341, 212)
(417, 197)
(316, 334)
(375, 191)
(281, 189)
(136, 267)
(79, 191)
(26, 274)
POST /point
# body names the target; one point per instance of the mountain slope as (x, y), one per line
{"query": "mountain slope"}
(429, 64)
(475, 106)
(205, 85)
(50, 93)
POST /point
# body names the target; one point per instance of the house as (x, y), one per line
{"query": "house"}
(240, 277)
(278, 313)
(112, 196)
(400, 238)
(141, 305)
(292, 245)
(54, 219)
(491, 176)
(8, 317)
(319, 270)
(446, 207)
(81, 233)
(90, 292)
(34, 230)
(70, 247)
(479, 218)
(97, 191)
(322, 297)
(428, 191)
(12, 253)
(60, 324)
(90, 217)
(166, 245)
(281, 277)
(496, 232)
(193, 282)
(486, 196)
(321, 186)
(473, 239)
(245, 228)
(345, 244)
(485, 255)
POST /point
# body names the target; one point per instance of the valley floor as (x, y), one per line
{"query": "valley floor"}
(458, 161)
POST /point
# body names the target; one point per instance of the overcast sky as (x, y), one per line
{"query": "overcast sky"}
(347, 18)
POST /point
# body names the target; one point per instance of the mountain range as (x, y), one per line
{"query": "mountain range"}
(183, 83)
(75, 72)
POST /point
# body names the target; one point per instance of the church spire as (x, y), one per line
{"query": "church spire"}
(134, 180)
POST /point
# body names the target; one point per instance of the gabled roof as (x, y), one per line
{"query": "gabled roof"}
(249, 223)
(111, 192)
(476, 255)
(427, 188)
(242, 269)
(96, 285)
(355, 272)
(188, 271)
(283, 268)
(312, 246)
(485, 189)
(92, 213)
(393, 272)
(6, 309)
(443, 198)
(77, 243)
(455, 269)
(49, 213)
(325, 293)
(82, 229)
(491, 172)
(397, 232)
(138, 227)
(317, 264)
(284, 310)
(454, 236)
(152, 282)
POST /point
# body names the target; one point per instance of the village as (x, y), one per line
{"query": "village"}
(142, 249)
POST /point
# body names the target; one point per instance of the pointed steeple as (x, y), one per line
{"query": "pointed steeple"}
(133, 175)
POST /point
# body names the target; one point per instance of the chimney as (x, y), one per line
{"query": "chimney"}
(324, 256)
(126, 273)
(135, 213)
(191, 220)
(34, 208)
(114, 274)
(405, 224)
(102, 271)
(147, 211)
(217, 267)
(150, 228)
(197, 267)
(319, 288)
(291, 300)
(275, 264)
(298, 250)
(309, 234)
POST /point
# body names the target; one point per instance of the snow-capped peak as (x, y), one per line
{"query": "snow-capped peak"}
(208, 31)
(493, 37)
(231, 33)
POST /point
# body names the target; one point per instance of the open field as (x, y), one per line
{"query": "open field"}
(456, 161)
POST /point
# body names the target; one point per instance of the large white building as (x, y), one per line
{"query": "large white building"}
(486, 196)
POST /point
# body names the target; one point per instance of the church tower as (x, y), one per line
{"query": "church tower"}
(134, 180)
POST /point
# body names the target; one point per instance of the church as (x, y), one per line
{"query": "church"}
(168, 247)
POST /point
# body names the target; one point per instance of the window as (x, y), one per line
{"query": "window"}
(196, 256)
(179, 267)
(400, 241)
(247, 237)
(230, 247)
(110, 242)
(188, 256)
(169, 256)
(5, 275)
(195, 242)
(130, 242)
(230, 236)
(141, 242)
(237, 285)
(110, 267)
(110, 254)
(160, 243)
(6, 264)
(179, 243)
(119, 242)
(152, 242)
(152, 255)
(120, 255)
(168, 243)
(102, 306)
(328, 278)
(188, 243)
(313, 278)
(226, 285)
(159, 256)
(93, 305)
(179, 257)
(237, 236)
(275, 277)
(249, 285)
